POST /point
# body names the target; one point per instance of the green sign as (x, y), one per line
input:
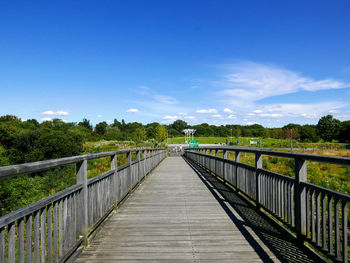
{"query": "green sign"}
(193, 144)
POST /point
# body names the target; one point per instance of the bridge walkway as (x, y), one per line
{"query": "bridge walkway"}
(180, 213)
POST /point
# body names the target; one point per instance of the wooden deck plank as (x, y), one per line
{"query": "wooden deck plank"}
(173, 217)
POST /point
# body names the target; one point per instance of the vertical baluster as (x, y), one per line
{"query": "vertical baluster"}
(2, 244)
(258, 165)
(83, 211)
(20, 240)
(74, 212)
(43, 234)
(11, 243)
(337, 232)
(114, 166)
(292, 202)
(55, 230)
(330, 226)
(300, 197)
(60, 229)
(49, 233)
(313, 225)
(69, 221)
(307, 200)
(29, 238)
(288, 203)
(324, 229)
(345, 231)
(237, 160)
(36, 237)
(65, 228)
(318, 219)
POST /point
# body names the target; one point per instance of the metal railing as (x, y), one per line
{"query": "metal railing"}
(52, 229)
(316, 214)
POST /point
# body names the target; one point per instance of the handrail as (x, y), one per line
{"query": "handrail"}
(18, 169)
(317, 214)
(309, 157)
(64, 221)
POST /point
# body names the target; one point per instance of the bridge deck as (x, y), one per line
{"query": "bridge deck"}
(179, 216)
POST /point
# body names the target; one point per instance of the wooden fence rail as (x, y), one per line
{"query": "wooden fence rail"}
(316, 214)
(52, 229)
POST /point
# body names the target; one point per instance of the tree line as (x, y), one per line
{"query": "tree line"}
(27, 141)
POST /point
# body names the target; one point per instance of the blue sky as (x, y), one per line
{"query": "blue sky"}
(220, 62)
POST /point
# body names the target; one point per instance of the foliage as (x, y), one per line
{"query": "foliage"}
(328, 127)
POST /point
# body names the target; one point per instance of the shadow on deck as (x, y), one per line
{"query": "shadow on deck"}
(252, 222)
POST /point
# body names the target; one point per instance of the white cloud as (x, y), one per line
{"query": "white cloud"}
(311, 110)
(227, 110)
(217, 116)
(271, 115)
(46, 119)
(109, 121)
(249, 82)
(182, 113)
(170, 118)
(165, 99)
(190, 117)
(132, 110)
(99, 116)
(202, 111)
(334, 111)
(258, 111)
(55, 113)
(231, 116)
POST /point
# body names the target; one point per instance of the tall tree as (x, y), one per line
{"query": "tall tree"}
(328, 128)
(101, 128)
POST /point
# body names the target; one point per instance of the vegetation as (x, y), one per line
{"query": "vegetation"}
(28, 141)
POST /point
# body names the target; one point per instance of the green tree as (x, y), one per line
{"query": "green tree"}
(344, 133)
(328, 128)
(86, 124)
(179, 125)
(101, 128)
(308, 133)
(140, 134)
(160, 133)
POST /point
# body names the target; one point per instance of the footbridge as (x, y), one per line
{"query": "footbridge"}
(199, 207)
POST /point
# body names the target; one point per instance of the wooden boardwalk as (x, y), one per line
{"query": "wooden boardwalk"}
(177, 215)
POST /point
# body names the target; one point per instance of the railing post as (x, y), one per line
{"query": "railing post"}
(115, 179)
(128, 159)
(300, 198)
(139, 166)
(237, 160)
(216, 153)
(83, 215)
(258, 165)
(144, 162)
(224, 167)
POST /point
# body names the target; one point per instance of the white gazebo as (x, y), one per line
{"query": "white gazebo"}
(188, 134)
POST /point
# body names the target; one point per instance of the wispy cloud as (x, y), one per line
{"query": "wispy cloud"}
(190, 118)
(217, 116)
(55, 113)
(99, 116)
(132, 111)
(171, 118)
(227, 110)
(204, 111)
(249, 82)
(165, 99)
(46, 119)
(182, 113)
(311, 110)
